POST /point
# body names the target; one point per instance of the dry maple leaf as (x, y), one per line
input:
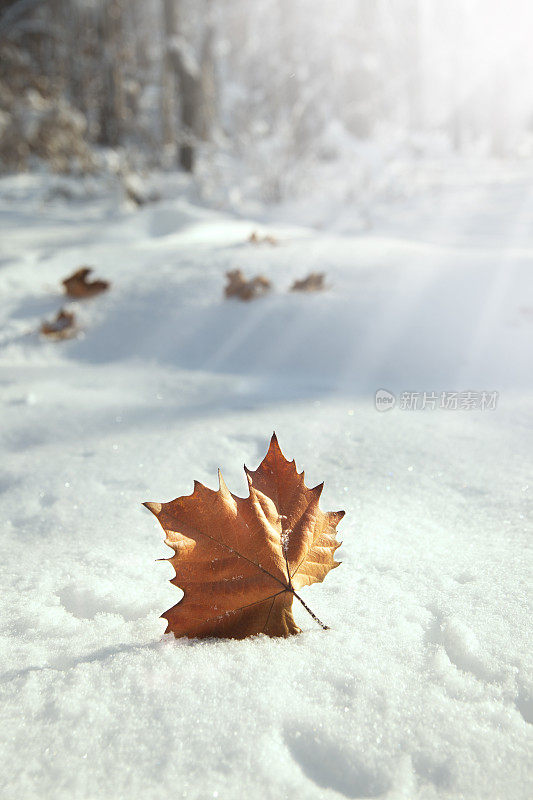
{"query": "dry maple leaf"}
(238, 286)
(255, 238)
(63, 326)
(240, 560)
(77, 285)
(314, 282)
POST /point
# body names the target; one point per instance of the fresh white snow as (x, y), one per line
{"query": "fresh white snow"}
(423, 687)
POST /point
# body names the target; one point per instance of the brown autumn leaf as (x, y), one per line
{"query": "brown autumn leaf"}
(63, 326)
(77, 285)
(238, 286)
(267, 238)
(314, 282)
(240, 561)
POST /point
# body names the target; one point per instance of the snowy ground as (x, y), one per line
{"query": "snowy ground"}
(423, 686)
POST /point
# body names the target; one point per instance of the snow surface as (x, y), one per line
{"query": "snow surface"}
(423, 686)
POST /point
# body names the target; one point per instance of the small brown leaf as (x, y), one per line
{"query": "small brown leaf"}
(77, 285)
(238, 286)
(62, 327)
(256, 238)
(314, 282)
(240, 560)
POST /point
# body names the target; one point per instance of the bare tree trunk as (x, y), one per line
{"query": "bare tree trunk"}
(76, 54)
(181, 89)
(188, 83)
(140, 34)
(111, 107)
(56, 46)
(208, 88)
(168, 79)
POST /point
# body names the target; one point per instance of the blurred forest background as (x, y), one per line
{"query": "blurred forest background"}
(259, 98)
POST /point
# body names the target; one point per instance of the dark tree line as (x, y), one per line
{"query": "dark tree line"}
(263, 79)
(102, 56)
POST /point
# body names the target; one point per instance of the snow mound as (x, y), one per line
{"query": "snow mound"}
(422, 688)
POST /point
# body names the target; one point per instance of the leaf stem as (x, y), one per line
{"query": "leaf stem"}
(326, 627)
